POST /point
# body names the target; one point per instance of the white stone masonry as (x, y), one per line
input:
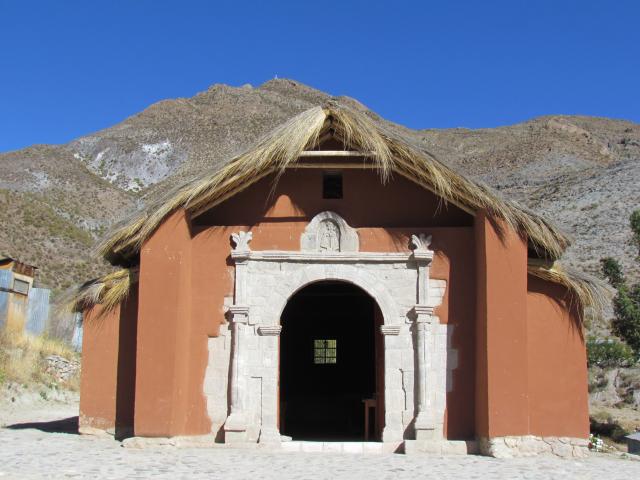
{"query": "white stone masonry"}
(242, 377)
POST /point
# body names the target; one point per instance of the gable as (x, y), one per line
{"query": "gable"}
(367, 202)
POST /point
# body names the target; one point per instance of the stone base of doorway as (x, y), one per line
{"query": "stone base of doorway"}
(209, 441)
(441, 447)
(358, 448)
(498, 447)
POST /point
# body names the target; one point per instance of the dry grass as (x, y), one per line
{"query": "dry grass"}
(283, 146)
(586, 290)
(385, 149)
(108, 291)
(22, 358)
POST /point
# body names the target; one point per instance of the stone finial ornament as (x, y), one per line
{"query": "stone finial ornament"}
(241, 240)
(420, 242)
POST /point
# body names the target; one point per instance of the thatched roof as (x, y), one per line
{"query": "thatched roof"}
(109, 291)
(585, 290)
(382, 147)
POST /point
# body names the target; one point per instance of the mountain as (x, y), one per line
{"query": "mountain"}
(56, 200)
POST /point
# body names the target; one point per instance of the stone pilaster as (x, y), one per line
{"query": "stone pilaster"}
(425, 423)
(235, 427)
(423, 314)
(269, 431)
(393, 393)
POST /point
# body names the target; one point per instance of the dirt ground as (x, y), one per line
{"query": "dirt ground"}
(39, 439)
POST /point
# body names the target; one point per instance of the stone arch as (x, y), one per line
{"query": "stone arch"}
(345, 273)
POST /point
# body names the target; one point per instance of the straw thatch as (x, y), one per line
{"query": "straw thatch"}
(383, 148)
(108, 291)
(585, 290)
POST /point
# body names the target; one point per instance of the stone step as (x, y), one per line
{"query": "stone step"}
(358, 448)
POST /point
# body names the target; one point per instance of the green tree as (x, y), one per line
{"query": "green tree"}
(612, 271)
(626, 323)
(635, 228)
(626, 303)
(608, 353)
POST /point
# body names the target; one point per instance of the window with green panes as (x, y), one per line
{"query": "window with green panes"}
(325, 352)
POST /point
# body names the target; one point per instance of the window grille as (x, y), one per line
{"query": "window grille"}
(325, 352)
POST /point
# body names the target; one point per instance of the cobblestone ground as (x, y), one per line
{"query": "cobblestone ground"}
(27, 452)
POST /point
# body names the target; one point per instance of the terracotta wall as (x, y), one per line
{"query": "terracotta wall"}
(171, 354)
(531, 361)
(501, 324)
(186, 274)
(107, 383)
(366, 202)
(521, 357)
(98, 377)
(126, 372)
(558, 397)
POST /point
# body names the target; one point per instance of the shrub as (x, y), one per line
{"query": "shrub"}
(612, 271)
(626, 323)
(22, 357)
(608, 353)
(626, 304)
(634, 221)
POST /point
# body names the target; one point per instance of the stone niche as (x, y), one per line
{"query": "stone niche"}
(242, 375)
(328, 232)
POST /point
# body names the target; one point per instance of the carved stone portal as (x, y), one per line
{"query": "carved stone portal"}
(417, 355)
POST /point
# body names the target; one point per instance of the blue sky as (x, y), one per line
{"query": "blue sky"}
(68, 68)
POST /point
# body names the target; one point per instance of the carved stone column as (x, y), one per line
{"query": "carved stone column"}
(393, 393)
(235, 427)
(424, 424)
(269, 431)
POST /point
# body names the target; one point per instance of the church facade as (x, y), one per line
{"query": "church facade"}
(335, 285)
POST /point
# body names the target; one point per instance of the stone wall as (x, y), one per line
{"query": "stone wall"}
(530, 445)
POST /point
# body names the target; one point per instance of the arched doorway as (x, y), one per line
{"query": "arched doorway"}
(331, 364)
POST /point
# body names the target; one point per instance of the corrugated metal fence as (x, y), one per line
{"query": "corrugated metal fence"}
(38, 310)
(5, 284)
(40, 317)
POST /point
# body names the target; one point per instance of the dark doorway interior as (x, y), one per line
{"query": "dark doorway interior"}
(329, 363)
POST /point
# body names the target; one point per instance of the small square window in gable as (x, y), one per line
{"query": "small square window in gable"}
(332, 185)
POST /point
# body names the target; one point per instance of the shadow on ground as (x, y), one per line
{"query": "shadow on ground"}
(65, 425)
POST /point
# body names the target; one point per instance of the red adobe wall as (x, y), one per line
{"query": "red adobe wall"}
(170, 356)
(186, 272)
(107, 379)
(532, 370)
(502, 403)
(558, 396)
(98, 377)
(184, 281)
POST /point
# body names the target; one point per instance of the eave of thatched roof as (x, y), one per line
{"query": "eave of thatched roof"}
(585, 290)
(109, 291)
(385, 151)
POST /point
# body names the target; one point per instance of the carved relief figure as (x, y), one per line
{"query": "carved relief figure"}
(328, 237)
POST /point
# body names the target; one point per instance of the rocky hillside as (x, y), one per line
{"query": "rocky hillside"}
(582, 172)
